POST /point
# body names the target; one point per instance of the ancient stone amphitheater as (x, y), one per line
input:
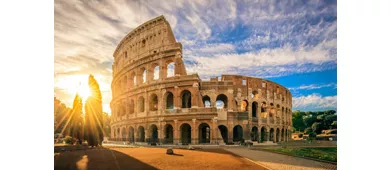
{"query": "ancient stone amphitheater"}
(154, 100)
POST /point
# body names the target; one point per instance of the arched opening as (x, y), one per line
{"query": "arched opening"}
(204, 133)
(282, 134)
(206, 101)
(156, 73)
(255, 133)
(255, 94)
(141, 134)
(223, 133)
(171, 69)
(131, 106)
(153, 134)
(168, 138)
(153, 103)
(169, 100)
(277, 135)
(271, 135)
(244, 106)
(222, 101)
(186, 99)
(124, 133)
(141, 104)
(143, 75)
(134, 79)
(131, 134)
(254, 109)
(185, 130)
(263, 106)
(119, 133)
(271, 113)
(263, 136)
(237, 133)
(277, 110)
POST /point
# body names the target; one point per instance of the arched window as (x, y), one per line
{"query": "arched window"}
(169, 100)
(206, 101)
(186, 99)
(131, 106)
(255, 94)
(156, 72)
(141, 104)
(133, 79)
(144, 76)
(222, 101)
(254, 109)
(153, 102)
(171, 69)
(263, 106)
(244, 105)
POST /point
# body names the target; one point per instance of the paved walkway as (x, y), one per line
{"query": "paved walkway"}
(279, 161)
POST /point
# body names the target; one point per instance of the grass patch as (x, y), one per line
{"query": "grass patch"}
(327, 154)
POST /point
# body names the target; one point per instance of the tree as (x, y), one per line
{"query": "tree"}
(93, 114)
(334, 124)
(309, 120)
(317, 127)
(106, 124)
(308, 130)
(297, 119)
(329, 119)
(61, 116)
(76, 119)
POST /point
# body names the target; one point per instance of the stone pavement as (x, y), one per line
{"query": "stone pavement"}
(278, 161)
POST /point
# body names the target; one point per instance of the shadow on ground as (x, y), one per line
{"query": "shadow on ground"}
(91, 159)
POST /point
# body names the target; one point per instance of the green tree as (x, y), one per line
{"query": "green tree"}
(329, 119)
(308, 130)
(317, 127)
(334, 124)
(297, 119)
(309, 120)
(93, 114)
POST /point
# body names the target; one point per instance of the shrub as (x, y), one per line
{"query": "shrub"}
(300, 135)
(308, 130)
(68, 140)
(312, 135)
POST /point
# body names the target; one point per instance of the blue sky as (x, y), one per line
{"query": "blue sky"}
(293, 43)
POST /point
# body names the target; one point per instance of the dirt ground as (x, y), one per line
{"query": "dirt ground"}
(150, 158)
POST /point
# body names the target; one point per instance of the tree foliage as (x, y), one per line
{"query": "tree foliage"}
(61, 115)
(93, 114)
(316, 121)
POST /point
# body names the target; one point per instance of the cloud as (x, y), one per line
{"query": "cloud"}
(257, 38)
(313, 86)
(314, 102)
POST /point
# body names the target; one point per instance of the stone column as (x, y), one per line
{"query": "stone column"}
(194, 133)
(176, 133)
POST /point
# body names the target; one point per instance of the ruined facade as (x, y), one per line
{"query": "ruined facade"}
(155, 100)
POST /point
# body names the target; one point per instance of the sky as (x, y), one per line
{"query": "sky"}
(293, 43)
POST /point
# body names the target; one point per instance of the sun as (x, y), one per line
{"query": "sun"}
(75, 84)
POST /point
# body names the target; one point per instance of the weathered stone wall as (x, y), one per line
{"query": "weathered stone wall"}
(147, 102)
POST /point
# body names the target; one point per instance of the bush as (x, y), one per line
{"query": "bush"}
(300, 135)
(68, 140)
(312, 135)
(308, 130)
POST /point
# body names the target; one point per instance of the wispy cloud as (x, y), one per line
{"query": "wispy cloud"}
(313, 86)
(257, 38)
(314, 102)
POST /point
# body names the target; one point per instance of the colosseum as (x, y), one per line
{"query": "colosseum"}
(155, 101)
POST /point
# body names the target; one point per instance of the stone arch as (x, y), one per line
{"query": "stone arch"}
(123, 134)
(255, 94)
(263, 107)
(156, 71)
(153, 102)
(204, 133)
(133, 79)
(141, 104)
(238, 133)
(186, 99)
(223, 133)
(153, 134)
(185, 136)
(131, 106)
(169, 100)
(254, 109)
(255, 133)
(206, 101)
(244, 106)
(263, 134)
(168, 135)
(170, 68)
(282, 135)
(271, 134)
(118, 133)
(131, 134)
(141, 134)
(277, 135)
(222, 101)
